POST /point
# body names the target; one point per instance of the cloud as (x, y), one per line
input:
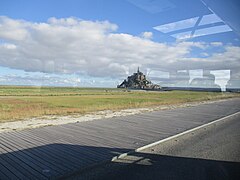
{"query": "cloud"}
(43, 80)
(13, 30)
(147, 35)
(95, 48)
(8, 46)
(216, 44)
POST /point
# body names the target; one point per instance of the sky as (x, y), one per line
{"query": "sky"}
(92, 43)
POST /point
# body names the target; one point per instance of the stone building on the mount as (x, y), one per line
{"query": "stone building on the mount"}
(138, 81)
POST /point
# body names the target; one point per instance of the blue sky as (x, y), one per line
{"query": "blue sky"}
(98, 43)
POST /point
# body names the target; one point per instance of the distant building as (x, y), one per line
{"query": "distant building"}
(138, 81)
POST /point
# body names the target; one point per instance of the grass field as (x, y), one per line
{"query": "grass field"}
(25, 102)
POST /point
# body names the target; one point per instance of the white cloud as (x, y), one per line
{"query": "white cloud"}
(216, 43)
(12, 29)
(205, 54)
(147, 35)
(40, 80)
(94, 48)
(8, 46)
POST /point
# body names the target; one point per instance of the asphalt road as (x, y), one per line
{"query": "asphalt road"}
(212, 152)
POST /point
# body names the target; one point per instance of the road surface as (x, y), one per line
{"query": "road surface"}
(65, 150)
(212, 152)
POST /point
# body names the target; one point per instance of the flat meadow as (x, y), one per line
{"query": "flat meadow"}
(21, 102)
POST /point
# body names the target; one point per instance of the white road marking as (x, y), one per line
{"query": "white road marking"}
(174, 136)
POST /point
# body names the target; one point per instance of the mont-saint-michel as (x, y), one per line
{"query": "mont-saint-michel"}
(138, 81)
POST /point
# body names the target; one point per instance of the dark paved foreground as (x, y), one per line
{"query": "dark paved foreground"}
(212, 152)
(57, 151)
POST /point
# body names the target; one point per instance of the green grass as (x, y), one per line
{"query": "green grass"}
(25, 102)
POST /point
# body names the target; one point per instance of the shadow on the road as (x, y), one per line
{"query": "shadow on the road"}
(59, 160)
(50, 161)
(152, 166)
